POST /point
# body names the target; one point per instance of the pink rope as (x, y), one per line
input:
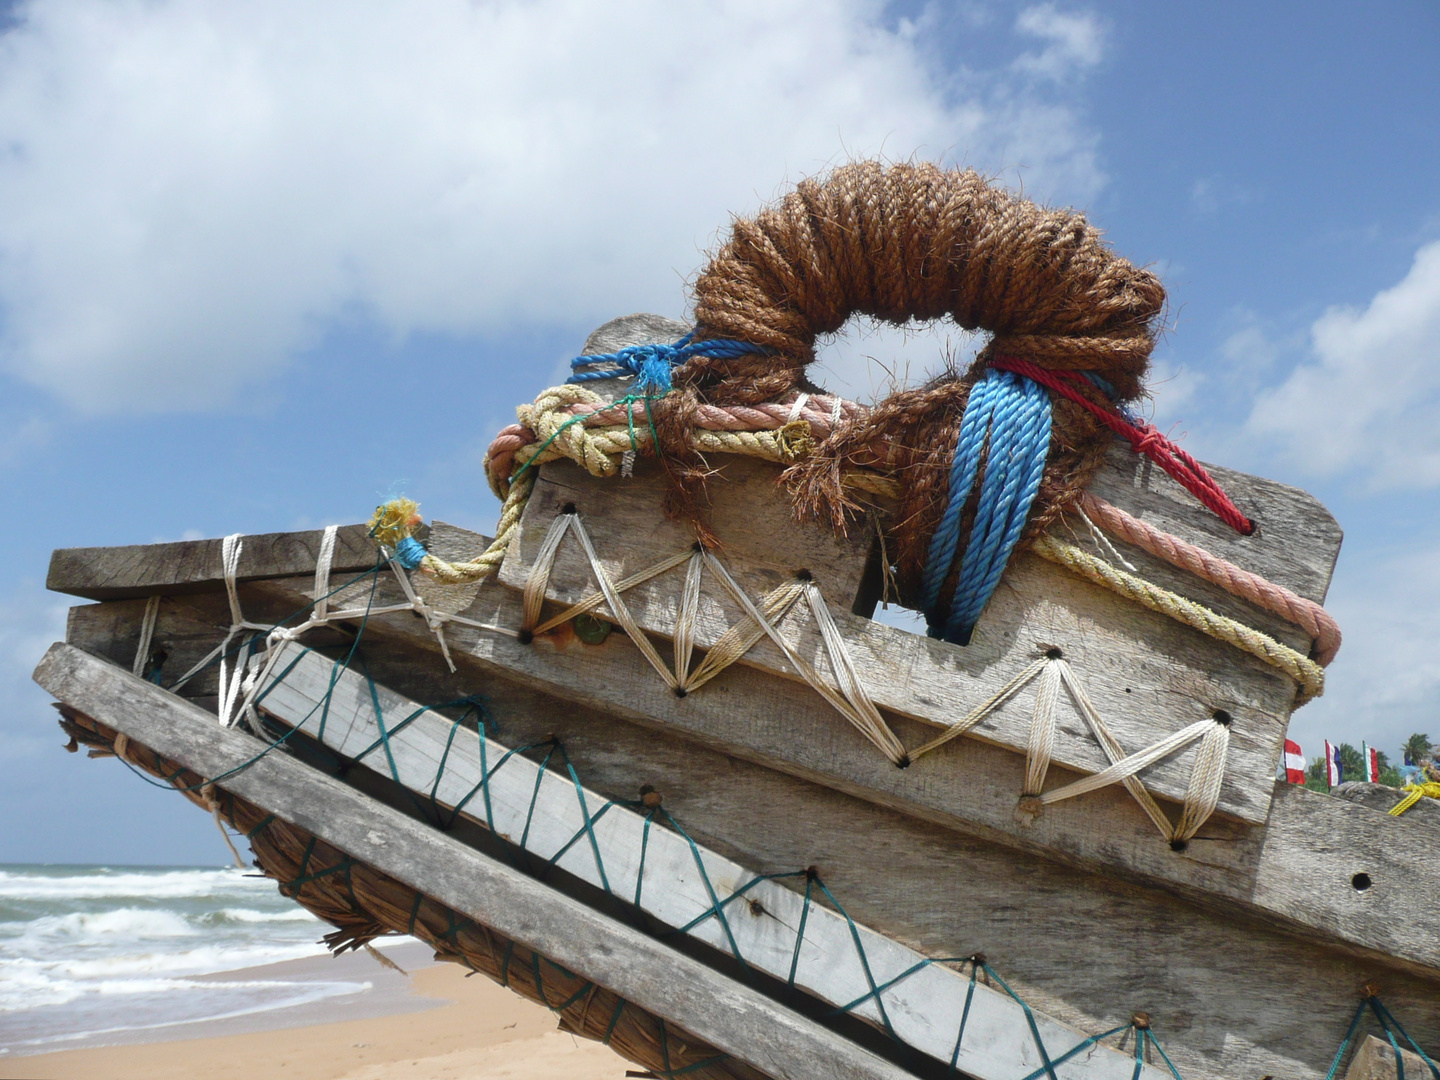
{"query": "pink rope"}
(1306, 614)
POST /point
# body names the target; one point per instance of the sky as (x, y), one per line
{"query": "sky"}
(263, 265)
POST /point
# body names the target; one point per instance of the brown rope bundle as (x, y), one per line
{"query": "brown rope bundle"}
(903, 243)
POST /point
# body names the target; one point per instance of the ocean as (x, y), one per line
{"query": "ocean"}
(94, 954)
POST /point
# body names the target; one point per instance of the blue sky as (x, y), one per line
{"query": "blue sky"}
(262, 265)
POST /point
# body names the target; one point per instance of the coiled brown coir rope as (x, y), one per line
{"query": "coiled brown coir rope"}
(902, 243)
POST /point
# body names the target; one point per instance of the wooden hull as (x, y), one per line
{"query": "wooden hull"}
(1248, 965)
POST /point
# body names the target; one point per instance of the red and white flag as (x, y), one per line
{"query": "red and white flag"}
(1333, 772)
(1294, 762)
(1371, 757)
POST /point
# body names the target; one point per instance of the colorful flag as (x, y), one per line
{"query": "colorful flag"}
(1371, 757)
(1333, 771)
(1294, 762)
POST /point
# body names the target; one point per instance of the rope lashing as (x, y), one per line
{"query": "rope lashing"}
(1145, 438)
(652, 364)
(1207, 773)
(1011, 417)
(1391, 1027)
(846, 692)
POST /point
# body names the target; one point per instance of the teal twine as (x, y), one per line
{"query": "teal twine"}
(555, 756)
(1007, 417)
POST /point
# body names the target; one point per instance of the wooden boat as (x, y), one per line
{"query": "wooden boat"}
(710, 859)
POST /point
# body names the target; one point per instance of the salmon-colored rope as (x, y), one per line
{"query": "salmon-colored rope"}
(1306, 614)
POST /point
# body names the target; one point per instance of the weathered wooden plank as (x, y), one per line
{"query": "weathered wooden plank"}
(1375, 1060)
(1153, 675)
(112, 573)
(733, 1017)
(1147, 674)
(1298, 872)
(1230, 994)
(545, 813)
(1296, 540)
(637, 329)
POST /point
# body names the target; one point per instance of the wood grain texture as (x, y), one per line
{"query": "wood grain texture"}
(637, 329)
(1147, 674)
(1385, 798)
(113, 573)
(731, 1016)
(1375, 1060)
(1296, 873)
(545, 812)
(1255, 973)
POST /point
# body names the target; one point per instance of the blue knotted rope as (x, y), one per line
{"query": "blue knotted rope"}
(409, 552)
(651, 364)
(1011, 415)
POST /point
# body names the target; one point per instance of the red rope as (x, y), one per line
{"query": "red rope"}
(1145, 438)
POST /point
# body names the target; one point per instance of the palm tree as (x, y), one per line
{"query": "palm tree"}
(1417, 748)
(1352, 765)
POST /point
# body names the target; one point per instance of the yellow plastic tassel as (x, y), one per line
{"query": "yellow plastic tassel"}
(394, 521)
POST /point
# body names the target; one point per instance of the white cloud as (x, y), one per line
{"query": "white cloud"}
(30, 620)
(1366, 404)
(1075, 41)
(195, 190)
(1384, 684)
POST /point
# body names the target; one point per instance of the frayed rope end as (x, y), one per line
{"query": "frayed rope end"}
(394, 521)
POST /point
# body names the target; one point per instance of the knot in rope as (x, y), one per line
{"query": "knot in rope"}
(651, 364)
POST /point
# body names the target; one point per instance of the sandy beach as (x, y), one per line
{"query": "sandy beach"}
(450, 1026)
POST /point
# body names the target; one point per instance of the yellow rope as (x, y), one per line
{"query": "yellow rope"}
(1309, 675)
(488, 562)
(1413, 794)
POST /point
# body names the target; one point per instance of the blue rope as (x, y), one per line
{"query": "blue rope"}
(409, 552)
(651, 364)
(1008, 416)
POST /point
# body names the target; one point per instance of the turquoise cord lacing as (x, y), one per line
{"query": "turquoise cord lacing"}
(1390, 1026)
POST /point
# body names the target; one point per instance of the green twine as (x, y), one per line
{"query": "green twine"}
(1390, 1026)
(626, 401)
